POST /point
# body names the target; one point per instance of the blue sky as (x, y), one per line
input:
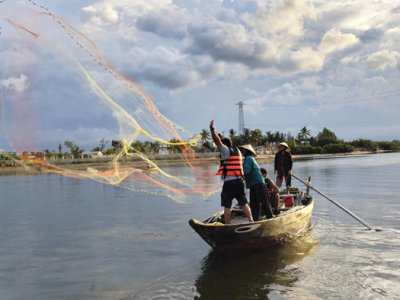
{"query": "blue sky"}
(293, 63)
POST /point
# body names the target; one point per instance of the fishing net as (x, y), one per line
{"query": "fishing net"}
(57, 81)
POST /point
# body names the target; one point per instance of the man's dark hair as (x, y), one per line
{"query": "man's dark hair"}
(263, 171)
(226, 141)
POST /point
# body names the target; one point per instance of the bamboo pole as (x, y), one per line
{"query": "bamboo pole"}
(309, 186)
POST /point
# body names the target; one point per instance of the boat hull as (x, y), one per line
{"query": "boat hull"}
(241, 238)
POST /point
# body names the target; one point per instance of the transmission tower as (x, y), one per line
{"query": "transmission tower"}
(241, 117)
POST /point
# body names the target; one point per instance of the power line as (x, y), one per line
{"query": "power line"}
(349, 101)
(341, 124)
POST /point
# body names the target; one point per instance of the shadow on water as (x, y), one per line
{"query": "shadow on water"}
(254, 275)
(250, 276)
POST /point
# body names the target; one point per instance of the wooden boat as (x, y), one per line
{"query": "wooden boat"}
(241, 236)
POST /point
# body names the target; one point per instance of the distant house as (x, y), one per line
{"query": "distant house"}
(92, 154)
(163, 149)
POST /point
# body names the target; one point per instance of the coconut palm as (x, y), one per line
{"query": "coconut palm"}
(255, 137)
(279, 137)
(245, 137)
(269, 138)
(299, 137)
(205, 135)
(232, 133)
(75, 150)
(305, 133)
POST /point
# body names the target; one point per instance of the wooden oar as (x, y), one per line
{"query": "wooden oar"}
(337, 204)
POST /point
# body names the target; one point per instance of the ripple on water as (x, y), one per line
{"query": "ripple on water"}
(353, 264)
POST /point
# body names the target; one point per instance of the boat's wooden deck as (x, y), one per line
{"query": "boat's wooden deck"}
(285, 211)
(239, 218)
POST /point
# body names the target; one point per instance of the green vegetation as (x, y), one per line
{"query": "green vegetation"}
(325, 141)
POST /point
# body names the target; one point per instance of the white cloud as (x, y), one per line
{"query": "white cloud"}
(334, 40)
(233, 43)
(286, 52)
(230, 42)
(282, 21)
(17, 84)
(309, 83)
(172, 69)
(349, 59)
(166, 21)
(285, 94)
(100, 15)
(102, 12)
(377, 84)
(383, 59)
(125, 18)
(393, 32)
(357, 16)
(305, 60)
(251, 92)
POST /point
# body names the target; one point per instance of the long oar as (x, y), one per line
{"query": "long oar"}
(338, 205)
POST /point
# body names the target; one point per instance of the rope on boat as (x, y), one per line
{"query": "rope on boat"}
(214, 217)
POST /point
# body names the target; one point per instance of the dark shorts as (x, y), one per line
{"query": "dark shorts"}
(279, 179)
(233, 189)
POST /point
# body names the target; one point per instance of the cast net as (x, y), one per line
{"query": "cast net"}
(57, 82)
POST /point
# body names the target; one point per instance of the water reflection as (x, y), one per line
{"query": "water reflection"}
(255, 275)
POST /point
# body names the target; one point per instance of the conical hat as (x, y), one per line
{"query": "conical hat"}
(249, 148)
(285, 145)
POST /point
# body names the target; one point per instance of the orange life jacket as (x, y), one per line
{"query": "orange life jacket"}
(231, 166)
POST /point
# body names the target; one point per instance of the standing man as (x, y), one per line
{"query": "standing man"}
(231, 172)
(255, 182)
(283, 165)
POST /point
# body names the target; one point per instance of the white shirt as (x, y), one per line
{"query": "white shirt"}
(225, 153)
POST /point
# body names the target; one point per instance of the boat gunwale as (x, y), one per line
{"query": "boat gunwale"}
(261, 222)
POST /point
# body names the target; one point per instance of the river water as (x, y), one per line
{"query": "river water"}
(63, 238)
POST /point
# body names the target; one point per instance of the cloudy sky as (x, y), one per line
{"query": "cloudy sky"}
(293, 63)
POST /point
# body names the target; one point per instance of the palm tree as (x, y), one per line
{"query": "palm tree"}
(245, 137)
(232, 134)
(205, 135)
(305, 133)
(155, 147)
(299, 137)
(269, 138)
(138, 146)
(255, 137)
(279, 137)
(75, 150)
(103, 144)
(234, 138)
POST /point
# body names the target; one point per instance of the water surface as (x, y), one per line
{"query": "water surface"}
(63, 238)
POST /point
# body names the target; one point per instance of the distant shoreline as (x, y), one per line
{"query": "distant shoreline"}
(173, 161)
(326, 155)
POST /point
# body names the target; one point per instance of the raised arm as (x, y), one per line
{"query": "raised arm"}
(215, 136)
